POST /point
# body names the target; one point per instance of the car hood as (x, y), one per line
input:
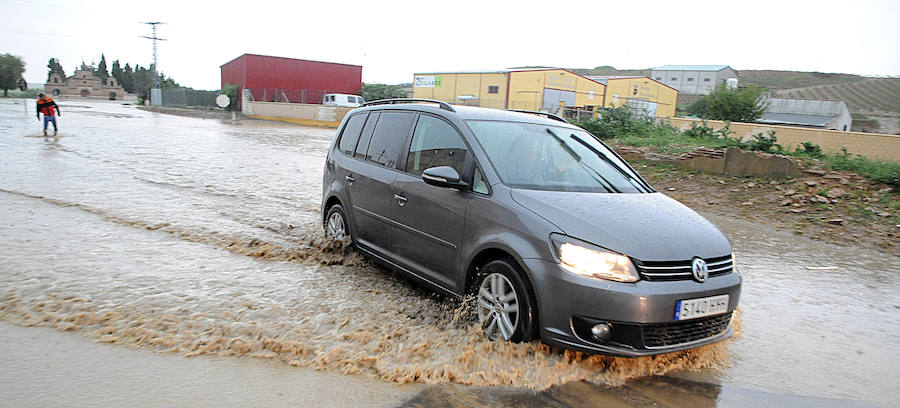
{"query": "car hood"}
(648, 227)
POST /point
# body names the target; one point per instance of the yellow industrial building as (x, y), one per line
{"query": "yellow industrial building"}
(639, 92)
(544, 89)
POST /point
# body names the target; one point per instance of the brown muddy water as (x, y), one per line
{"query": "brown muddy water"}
(202, 237)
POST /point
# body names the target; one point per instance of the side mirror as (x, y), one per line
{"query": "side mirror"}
(443, 176)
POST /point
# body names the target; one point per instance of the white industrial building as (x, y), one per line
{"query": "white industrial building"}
(694, 79)
(808, 113)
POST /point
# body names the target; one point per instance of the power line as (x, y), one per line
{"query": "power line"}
(155, 69)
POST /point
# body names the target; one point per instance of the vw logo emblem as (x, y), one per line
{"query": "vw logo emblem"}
(700, 270)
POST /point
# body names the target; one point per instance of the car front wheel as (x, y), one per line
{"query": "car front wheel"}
(505, 309)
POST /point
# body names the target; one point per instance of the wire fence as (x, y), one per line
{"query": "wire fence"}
(291, 95)
(188, 97)
(579, 114)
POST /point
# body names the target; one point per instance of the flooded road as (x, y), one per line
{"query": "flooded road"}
(203, 238)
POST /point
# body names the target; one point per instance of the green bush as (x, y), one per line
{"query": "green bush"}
(617, 122)
(232, 91)
(809, 149)
(705, 132)
(875, 170)
(735, 105)
(763, 143)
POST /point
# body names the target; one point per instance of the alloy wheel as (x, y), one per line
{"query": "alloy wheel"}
(498, 307)
(336, 226)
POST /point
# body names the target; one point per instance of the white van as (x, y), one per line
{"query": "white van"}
(343, 100)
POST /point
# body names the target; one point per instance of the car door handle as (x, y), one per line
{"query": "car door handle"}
(349, 179)
(400, 199)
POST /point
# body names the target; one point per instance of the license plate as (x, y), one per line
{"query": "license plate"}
(694, 308)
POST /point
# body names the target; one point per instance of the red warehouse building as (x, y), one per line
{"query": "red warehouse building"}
(279, 79)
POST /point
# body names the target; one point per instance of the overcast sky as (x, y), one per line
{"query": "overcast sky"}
(393, 40)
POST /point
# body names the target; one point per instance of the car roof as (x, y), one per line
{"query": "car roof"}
(473, 113)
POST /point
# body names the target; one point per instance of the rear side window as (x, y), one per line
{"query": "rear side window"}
(435, 143)
(366, 135)
(389, 138)
(351, 132)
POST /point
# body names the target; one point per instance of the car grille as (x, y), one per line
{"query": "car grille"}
(672, 334)
(681, 270)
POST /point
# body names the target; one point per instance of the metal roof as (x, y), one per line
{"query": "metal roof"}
(806, 107)
(691, 68)
(794, 119)
(489, 71)
(603, 79)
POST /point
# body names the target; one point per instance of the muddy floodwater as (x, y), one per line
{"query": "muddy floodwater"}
(198, 237)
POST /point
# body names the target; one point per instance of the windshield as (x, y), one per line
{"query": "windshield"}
(542, 157)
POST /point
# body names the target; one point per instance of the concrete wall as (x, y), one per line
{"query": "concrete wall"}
(300, 113)
(871, 145)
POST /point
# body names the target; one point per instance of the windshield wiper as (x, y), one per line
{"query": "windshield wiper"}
(609, 161)
(602, 180)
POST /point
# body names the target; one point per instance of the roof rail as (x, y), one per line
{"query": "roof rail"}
(548, 115)
(442, 104)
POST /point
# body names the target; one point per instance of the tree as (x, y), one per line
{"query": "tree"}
(116, 72)
(232, 91)
(11, 69)
(55, 68)
(101, 69)
(374, 92)
(736, 105)
(127, 79)
(698, 108)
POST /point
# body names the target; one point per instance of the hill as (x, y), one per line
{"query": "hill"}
(779, 80)
(607, 70)
(868, 94)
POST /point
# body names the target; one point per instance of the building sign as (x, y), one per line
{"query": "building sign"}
(427, 81)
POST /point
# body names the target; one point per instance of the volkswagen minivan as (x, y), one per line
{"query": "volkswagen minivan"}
(558, 238)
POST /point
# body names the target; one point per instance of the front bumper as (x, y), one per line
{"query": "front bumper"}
(568, 302)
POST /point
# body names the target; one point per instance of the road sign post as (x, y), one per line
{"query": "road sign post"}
(223, 101)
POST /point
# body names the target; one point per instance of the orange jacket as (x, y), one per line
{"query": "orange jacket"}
(46, 106)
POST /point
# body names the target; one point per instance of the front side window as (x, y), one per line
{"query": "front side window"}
(492, 89)
(435, 143)
(479, 185)
(541, 157)
(389, 138)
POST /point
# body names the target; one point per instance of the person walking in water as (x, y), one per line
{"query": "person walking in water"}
(46, 106)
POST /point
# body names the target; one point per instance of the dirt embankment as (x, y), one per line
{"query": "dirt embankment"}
(837, 207)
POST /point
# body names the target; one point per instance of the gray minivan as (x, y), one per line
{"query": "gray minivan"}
(557, 236)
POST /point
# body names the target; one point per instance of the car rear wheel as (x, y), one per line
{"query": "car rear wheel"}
(336, 223)
(505, 309)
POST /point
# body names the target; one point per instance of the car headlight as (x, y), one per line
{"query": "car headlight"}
(582, 258)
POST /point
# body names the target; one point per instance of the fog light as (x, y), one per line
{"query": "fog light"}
(601, 331)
